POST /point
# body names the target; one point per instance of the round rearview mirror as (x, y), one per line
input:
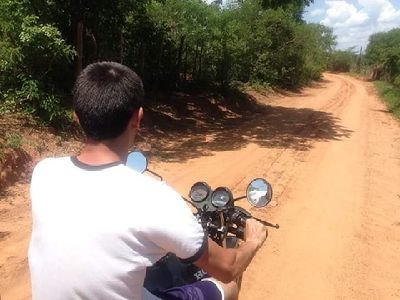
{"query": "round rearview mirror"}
(259, 192)
(137, 161)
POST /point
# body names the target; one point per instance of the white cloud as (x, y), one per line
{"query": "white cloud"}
(343, 14)
(317, 12)
(389, 14)
(354, 21)
(383, 9)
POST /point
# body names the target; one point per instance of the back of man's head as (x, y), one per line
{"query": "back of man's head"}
(105, 96)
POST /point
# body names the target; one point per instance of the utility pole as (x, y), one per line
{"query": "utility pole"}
(359, 61)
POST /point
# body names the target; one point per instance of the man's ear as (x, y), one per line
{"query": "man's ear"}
(75, 118)
(137, 118)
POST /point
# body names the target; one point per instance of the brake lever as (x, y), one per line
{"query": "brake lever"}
(247, 215)
(265, 223)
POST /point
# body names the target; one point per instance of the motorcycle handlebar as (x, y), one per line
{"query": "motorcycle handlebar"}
(235, 218)
(239, 216)
(238, 219)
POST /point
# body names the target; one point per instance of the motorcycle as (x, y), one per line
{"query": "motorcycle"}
(216, 212)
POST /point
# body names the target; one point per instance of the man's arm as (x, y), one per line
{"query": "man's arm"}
(225, 264)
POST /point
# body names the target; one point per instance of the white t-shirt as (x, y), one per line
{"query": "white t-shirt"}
(97, 228)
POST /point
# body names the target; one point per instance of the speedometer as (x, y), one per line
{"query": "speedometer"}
(221, 197)
(199, 192)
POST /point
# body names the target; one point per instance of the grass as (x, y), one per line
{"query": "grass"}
(13, 140)
(391, 95)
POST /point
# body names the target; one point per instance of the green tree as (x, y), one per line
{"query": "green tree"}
(170, 43)
(319, 43)
(29, 51)
(384, 50)
(343, 60)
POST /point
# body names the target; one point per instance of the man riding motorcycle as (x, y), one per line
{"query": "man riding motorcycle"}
(97, 224)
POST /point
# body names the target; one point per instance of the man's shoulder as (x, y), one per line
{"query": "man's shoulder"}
(152, 187)
(50, 162)
(145, 180)
(48, 170)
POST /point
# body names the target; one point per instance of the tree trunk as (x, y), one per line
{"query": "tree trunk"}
(179, 60)
(159, 63)
(185, 64)
(142, 59)
(79, 47)
(376, 73)
(200, 63)
(196, 55)
(92, 37)
(121, 47)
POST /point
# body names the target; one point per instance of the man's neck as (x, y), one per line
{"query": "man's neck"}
(99, 153)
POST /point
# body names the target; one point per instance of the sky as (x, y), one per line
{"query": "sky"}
(353, 21)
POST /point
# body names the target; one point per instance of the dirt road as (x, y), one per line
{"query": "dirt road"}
(332, 155)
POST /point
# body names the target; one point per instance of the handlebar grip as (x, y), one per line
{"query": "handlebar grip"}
(240, 233)
(241, 221)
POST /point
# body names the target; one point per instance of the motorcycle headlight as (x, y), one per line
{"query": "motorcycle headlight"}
(221, 197)
(199, 192)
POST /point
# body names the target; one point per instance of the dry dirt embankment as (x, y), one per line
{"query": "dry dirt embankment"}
(332, 154)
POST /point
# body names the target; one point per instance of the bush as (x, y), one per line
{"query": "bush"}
(396, 81)
(342, 60)
(391, 95)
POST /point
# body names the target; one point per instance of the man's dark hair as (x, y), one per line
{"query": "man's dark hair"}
(105, 96)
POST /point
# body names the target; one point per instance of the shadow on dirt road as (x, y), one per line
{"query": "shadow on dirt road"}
(184, 127)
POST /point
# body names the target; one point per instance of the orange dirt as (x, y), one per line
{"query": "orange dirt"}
(332, 155)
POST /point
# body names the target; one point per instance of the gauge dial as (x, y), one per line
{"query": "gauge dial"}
(221, 197)
(199, 192)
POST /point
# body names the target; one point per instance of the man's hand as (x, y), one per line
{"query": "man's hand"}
(255, 232)
(226, 264)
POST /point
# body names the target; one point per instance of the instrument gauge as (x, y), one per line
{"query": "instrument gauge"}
(221, 197)
(199, 192)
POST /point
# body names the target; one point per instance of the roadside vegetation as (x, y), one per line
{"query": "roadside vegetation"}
(174, 45)
(380, 62)
(383, 56)
(179, 47)
(391, 95)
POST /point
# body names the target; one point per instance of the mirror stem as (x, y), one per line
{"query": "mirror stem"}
(155, 174)
(239, 198)
(190, 202)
